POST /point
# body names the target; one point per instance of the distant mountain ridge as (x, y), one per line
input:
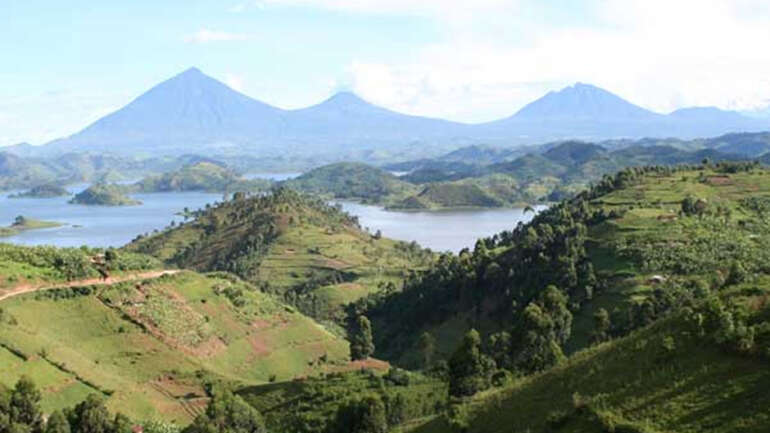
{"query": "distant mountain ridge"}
(194, 113)
(583, 101)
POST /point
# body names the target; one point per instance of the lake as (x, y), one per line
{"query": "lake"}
(115, 226)
(446, 230)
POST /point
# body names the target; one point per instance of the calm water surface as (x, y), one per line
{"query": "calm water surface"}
(115, 226)
(97, 225)
(450, 230)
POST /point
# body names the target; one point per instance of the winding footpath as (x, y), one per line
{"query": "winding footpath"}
(28, 288)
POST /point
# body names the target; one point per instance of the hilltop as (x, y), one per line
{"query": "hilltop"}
(496, 190)
(104, 195)
(310, 254)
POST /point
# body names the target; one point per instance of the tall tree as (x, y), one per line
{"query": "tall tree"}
(361, 341)
(228, 413)
(57, 423)
(469, 369)
(366, 415)
(90, 416)
(427, 346)
(25, 405)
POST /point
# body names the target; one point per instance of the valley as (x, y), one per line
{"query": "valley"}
(385, 217)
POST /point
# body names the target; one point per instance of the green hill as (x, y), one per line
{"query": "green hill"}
(104, 195)
(353, 181)
(22, 223)
(601, 251)
(677, 375)
(42, 191)
(151, 347)
(201, 176)
(311, 254)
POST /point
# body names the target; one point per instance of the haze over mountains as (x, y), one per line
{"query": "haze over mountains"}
(194, 113)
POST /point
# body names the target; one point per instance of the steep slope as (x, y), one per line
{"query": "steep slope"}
(670, 377)
(309, 253)
(192, 112)
(152, 348)
(582, 101)
(177, 115)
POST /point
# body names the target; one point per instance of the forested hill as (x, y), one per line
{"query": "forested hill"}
(352, 180)
(637, 245)
(310, 253)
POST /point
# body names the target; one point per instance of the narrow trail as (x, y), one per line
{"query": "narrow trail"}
(28, 288)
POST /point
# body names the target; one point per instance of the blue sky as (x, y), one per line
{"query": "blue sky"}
(64, 64)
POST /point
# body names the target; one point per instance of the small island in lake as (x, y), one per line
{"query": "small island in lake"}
(21, 224)
(48, 190)
(104, 195)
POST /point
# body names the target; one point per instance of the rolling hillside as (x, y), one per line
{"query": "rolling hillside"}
(152, 347)
(309, 253)
(601, 250)
(664, 378)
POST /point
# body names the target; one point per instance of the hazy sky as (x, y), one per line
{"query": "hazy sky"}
(64, 64)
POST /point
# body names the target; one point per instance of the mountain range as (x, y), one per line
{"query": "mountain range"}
(194, 113)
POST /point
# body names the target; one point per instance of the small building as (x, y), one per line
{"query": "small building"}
(656, 279)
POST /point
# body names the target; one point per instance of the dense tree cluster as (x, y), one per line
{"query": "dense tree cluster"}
(20, 413)
(228, 413)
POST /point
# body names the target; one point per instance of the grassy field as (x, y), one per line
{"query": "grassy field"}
(150, 347)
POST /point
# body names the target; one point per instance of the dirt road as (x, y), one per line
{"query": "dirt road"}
(28, 288)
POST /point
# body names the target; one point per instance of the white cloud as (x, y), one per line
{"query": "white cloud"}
(235, 81)
(246, 5)
(203, 36)
(497, 55)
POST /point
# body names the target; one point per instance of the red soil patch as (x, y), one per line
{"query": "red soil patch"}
(719, 180)
(259, 345)
(350, 286)
(369, 363)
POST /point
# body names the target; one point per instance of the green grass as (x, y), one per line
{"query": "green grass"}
(140, 343)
